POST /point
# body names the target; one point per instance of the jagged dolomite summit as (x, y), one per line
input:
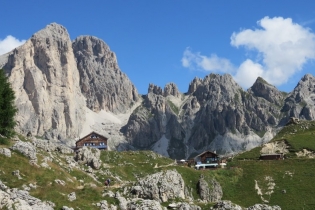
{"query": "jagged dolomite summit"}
(45, 78)
(67, 89)
(102, 83)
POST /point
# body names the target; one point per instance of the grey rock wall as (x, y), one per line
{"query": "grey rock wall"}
(103, 84)
(45, 79)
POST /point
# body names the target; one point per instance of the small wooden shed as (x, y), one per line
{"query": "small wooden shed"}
(207, 157)
(92, 140)
(275, 156)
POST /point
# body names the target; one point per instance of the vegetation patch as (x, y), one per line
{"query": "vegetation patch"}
(174, 108)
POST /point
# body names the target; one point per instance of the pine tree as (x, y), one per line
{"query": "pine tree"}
(7, 108)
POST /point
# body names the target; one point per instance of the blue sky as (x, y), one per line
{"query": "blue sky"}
(176, 40)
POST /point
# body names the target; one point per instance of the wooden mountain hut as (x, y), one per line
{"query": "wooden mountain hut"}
(92, 140)
(207, 157)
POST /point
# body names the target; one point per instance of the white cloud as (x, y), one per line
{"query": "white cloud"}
(282, 47)
(213, 63)
(248, 72)
(9, 43)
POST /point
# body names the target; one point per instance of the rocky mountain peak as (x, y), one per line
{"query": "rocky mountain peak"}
(53, 30)
(262, 88)
(93, 46)
(45, 79)
(215, 87)
(103, 84)
(155, 89)
(300, 102)
(307, 81)
(194, 84)
(171, 89)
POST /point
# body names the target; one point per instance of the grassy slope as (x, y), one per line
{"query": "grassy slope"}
(44, 179)
(294, 175)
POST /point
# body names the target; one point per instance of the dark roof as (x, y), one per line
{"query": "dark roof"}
(206, 152)
(93, 132)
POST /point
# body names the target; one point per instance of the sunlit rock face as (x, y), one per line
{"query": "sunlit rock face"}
(301, 101)
(215, 114)
(59, 84)
(44, 76)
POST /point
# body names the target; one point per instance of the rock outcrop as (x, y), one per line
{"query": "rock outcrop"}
(6, 152)
(161, 186)
(301, 101)
(27, 149)
(49, 146)
(275, 147)
(101, 81)
(89, 156)
(141, 204)
(45, 79)
(226, 205)
(21, 200)
(212, 193)
(263, 207)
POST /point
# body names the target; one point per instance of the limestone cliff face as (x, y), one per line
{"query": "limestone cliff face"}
(45, 78)
(156, 118)
(215, 114)
(300, 103)
(228, 116)
(102, 82)
(55, 80)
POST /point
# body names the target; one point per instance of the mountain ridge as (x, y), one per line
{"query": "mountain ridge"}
(57, 81)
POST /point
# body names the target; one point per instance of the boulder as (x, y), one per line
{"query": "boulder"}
(89, 156)
(72, 196)
(66, 208)
(21, 200)
(226, 205)
(50, 146)
(183, 206)
(27, 149)
(263, 207)
(5, 151)
(141, 204)
(161, 186)
(104, 206)
(212, 193)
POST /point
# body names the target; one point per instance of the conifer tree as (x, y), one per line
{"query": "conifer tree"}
(7, 108)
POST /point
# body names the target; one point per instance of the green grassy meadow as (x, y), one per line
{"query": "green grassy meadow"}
(288, 183)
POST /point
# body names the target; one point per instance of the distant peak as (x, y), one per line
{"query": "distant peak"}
(52, 30)
(307, 76)
(261, 80)
(155, 89)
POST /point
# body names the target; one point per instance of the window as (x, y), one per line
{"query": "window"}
(94, 136)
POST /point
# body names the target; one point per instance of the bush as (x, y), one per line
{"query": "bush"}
(4, 141)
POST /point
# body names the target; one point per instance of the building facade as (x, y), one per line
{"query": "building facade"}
(92, 140)
(207, 157)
